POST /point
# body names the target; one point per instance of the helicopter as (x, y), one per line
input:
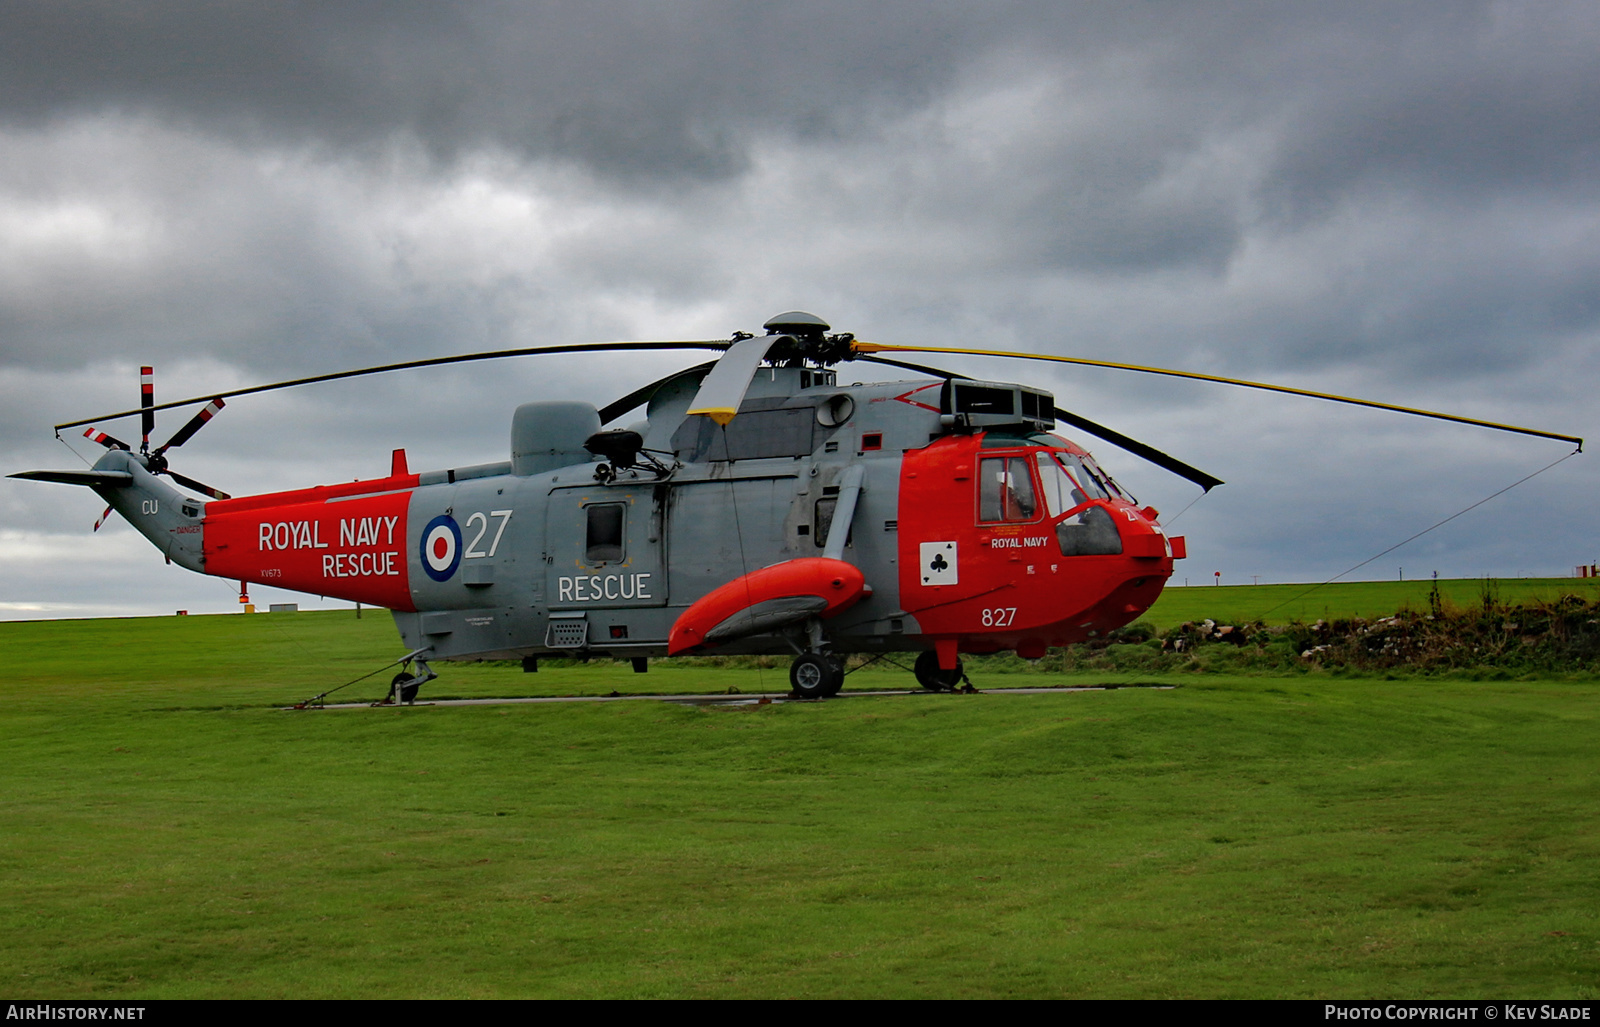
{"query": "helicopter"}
(760, 507)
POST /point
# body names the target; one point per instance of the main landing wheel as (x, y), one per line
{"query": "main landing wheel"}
(816, 677)
(929, 675)
(407, 687)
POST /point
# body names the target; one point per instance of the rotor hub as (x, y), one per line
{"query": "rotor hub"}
(798, 323)
(808, 341)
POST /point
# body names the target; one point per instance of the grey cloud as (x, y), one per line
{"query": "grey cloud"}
(635, 90)
(1376, 200)
(1467, 100)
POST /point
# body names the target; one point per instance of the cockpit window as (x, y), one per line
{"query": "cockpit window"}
(1061, 492)
(1005, 490)
(1087, 476)
(1104, 480)
(1068, 485)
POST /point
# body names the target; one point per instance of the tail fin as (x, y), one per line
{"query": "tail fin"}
(158, 512)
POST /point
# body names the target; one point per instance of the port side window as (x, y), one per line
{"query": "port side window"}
(603, 540)
(1005, 490)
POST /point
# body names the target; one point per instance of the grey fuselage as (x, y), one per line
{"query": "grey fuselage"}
(534, 579)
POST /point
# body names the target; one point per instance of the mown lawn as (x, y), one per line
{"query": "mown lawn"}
(1280, 604)
(165, 830)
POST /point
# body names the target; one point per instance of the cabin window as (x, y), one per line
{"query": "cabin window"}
(822, 514)
(603, 541)
(754, 434)
(1005, 490)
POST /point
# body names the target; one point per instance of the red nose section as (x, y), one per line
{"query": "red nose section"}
(768, 599)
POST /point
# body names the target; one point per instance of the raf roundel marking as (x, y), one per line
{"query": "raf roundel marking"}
(441, 547)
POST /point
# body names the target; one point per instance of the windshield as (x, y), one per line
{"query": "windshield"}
(1061, 491)
(1087, 475)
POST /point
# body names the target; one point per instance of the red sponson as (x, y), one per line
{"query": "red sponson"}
(839, 583)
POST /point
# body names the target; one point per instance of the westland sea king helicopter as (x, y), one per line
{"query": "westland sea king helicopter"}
(760, 507)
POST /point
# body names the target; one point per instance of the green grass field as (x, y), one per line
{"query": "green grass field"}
(167, 831)
(1279, 604)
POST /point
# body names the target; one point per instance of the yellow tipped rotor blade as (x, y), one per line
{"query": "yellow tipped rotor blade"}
(878, 347)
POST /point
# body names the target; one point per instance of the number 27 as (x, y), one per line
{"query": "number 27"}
(473, 552)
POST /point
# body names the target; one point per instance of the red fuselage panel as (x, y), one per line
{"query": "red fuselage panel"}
(1006, 585)
(338, 541)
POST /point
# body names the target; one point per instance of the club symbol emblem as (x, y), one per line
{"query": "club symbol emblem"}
(938, 563)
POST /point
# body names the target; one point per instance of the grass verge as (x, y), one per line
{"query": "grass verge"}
(165, 832)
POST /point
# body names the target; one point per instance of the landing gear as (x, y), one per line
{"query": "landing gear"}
(929, 675)
(403, 689)
(816, 676)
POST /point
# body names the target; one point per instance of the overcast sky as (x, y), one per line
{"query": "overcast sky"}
(1394, 201)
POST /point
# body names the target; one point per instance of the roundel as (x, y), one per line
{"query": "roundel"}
(441, 547)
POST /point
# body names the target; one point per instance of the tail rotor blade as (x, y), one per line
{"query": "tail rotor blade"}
(108, 441)
(196, 422)
(197, 486)
(103, 518)
(147, 402)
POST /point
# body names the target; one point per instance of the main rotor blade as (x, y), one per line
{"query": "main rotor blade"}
(196, 422)
(197, 485)
(876, 347)
(724, 388)
(1170, 463)
(582, 347)
(615, 409)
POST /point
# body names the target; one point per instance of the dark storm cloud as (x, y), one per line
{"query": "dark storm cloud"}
(634, 90)
(1391, 200)
(1173, 129)
(1472, 100)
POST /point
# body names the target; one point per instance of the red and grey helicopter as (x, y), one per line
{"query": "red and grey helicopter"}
(759, 507)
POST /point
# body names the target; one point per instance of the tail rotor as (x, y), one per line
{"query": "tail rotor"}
(156, 462)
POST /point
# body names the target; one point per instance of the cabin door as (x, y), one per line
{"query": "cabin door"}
(603, 549)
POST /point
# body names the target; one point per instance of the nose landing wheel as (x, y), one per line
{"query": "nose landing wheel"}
(816, 676)
(929, 675)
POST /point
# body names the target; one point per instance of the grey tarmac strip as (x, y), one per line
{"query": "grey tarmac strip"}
(722, 698)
